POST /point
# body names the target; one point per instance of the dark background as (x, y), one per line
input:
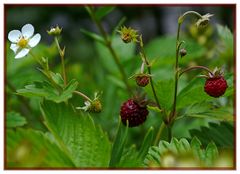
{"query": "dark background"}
(150, 20)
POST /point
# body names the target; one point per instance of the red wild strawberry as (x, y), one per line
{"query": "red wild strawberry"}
(133, 112)
(142, 80)
(215, 86)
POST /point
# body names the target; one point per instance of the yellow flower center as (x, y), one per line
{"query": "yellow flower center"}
(22, 43)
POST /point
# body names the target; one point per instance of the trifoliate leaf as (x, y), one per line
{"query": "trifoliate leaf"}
(46, 90)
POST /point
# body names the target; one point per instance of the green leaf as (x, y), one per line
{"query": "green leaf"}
(103, 11)
(165, 93)
(118, 145)
(192, 93)
(221, 134)
(197, 150)
(211, 154)
(179, 153)
(14, 119)
(86, 143)
(27, 148)
(57, 78)
(46, 90)
(147, 141)
(130, 158)
(206, 110)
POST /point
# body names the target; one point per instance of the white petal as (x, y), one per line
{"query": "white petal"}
(34, 40)
(14, 35)
(14, 47)
(22, 53)
(27, 31)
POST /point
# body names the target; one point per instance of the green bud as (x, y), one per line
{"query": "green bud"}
(55, 31)
(183, 52)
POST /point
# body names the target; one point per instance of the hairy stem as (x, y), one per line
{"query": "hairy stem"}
(172, 115)
(169, 133)
(194, 68)
(151, 80)
(108, 44)
(61, 53)
(143, 55)
(82, 95)
(191, 12)
(178, 45)
(161, 128)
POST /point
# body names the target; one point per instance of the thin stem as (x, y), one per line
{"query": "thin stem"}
(109, 46)
(176, 75)
(82, 95)
(149, 72)
(61, 53)
(191, 12)
(194, 68)
(178, 45)
(169, 133)
(161, 128)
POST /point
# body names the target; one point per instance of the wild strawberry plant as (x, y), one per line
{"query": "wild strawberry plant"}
(158, 110)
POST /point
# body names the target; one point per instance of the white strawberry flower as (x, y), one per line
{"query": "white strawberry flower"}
(23, 41)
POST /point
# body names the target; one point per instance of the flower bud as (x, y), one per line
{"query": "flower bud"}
(182, 52)
(94, 105)
(55, 31)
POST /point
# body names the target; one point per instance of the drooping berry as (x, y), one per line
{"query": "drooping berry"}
(215, 86)
(142, 80)
(133, 112)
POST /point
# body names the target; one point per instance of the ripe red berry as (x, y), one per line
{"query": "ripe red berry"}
(215, 86)
(142, 80)
(133, 112)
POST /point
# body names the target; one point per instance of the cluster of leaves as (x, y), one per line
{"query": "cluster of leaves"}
(73, 140)
(67, 138)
